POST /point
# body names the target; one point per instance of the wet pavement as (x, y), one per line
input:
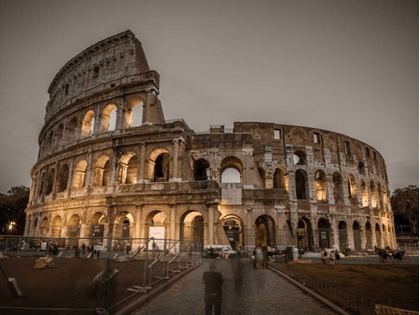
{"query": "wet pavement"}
(246, 291)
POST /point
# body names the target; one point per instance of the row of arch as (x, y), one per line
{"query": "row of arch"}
(324, 187)
(93, 122)
(308, 237)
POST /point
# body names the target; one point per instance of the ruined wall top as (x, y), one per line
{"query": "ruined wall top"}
(112, 62)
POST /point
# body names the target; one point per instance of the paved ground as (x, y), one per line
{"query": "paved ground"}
(246, 291)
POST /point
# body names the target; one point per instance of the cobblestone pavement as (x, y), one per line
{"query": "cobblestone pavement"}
(246, 291)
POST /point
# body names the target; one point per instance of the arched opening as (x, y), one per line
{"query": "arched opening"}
(159, 165)
(338, 186)
(73, 226)
(71, 130)
(231, 170)
(97, 224)
(343, 235)
(109, 118)
(299, 158)
(324, 233)
(364, 193)
(88, 124)
(233, 227)
(41, 184)
(192, 231)
(79, 174)
(123, 224)
(320, 186)
(59, 135)
(43, 229)
(357, 237)
(127, 173)
(368, 234)
(102, 175)
(50, 181)
(373, 195)
(361, 168)
(352, 187)
(156, 226)
(201, 169)
(304, 234)
(134, 112)
(301, 184)
(57, 225)
(265, 232)
(63, 178)
(280, 179)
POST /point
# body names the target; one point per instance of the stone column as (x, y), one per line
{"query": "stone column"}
(175, 162)
(142, 157)
(211, 223)
(172, 232)
(89, 169)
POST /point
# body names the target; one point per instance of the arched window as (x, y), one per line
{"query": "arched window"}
(88, 124)
(299, 158)
(102, 171)
(351, 186)
(361, 168)
(373, 195)
(134, 113)
(231, 170)
(109, 118)
(338, 186)
(364, 193)
(41, 184)
(231, 175)
(301, 184)
(50, 182)
(128, 168)
(59, 135)
(63, 177)
(71, 129)
(280, 179)
(79, 174)
(320, 186)
(201, 169)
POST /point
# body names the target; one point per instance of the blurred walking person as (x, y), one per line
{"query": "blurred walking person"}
(213, 293)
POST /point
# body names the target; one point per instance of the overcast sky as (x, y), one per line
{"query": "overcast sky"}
(347, 66)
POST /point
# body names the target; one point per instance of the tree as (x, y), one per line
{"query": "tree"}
(405, 206)
(12, 210)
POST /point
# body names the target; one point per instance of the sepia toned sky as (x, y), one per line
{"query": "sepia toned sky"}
(349, 66)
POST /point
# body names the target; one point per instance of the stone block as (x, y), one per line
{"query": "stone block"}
(44, 263)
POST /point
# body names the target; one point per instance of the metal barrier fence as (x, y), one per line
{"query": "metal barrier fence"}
(358, 305)
(89, 275)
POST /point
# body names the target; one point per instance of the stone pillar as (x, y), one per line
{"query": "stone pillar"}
(210, 212)
(90, 169)
(175, 162)
(172, 232)
(330, 189)
(142, 158)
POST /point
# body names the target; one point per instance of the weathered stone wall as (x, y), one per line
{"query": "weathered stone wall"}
(278, 184)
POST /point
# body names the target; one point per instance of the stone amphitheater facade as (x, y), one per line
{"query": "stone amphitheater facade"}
(109, 164)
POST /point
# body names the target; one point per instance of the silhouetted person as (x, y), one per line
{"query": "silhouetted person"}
(213, 294)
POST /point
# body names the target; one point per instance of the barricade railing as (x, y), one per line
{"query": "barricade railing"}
(105, 271)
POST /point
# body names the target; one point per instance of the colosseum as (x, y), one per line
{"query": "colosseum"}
(111, 165)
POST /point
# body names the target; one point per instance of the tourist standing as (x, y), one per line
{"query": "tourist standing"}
(213, 293)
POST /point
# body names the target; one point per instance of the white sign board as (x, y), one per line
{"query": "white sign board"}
(158, 234)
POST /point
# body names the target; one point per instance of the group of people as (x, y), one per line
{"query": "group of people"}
(331, 258)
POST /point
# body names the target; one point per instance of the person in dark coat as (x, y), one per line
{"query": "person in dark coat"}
(213, 293)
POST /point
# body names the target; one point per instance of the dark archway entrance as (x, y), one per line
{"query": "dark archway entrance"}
(265, 231)
(324, 233)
